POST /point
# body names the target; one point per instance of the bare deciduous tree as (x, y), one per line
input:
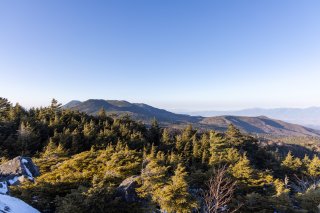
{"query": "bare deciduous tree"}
(220, 192)
(302, 184)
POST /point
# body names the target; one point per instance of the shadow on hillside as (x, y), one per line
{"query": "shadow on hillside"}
(247, 126)
(297, 150)
(272, 123)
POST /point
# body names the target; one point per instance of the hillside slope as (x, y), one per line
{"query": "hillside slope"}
(145, 113)
(10, 204)
(259, 125)
(304, 116)
(137, 111)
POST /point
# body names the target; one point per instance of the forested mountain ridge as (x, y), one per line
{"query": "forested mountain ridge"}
(146, 113)
(137, 111)
(309, 117)
(260, 125)
(104, 164)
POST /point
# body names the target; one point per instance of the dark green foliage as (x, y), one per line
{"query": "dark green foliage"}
(84, 158)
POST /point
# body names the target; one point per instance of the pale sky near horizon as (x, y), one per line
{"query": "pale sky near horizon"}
(172, 54)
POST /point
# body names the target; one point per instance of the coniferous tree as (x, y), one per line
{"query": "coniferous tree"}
(153, 178)
(55, 105)
(232, 156)
(205, 148)
(4, 108)
(305, 164)
(217, 148)
(54, 150)
(235, 137)
(314, 167)
(28, 140)
(242, 169)
(87, 157)
(187, 133)
(196, 152)
(50, 148)
(102, 114)
(166, 139)
(16, 113)
(281, 200)
(175, 196)
(291, 163)
(155, 134)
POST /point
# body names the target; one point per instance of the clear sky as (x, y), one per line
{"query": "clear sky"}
(173, 54)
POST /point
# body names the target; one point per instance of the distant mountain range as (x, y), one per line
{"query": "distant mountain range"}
(309, 117)
(260, 125)
(146, 113)
(137, 111)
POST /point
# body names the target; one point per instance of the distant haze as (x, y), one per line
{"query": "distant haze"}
(307, 116)
(170, 54)
(146, 113)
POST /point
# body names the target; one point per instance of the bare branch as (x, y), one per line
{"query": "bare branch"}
(220, 192)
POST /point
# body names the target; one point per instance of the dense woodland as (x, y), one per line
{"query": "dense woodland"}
(83, 159)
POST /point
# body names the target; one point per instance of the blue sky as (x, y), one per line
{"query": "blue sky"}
(173, 54)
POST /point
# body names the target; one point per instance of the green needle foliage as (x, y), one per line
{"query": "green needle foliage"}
(83, 159)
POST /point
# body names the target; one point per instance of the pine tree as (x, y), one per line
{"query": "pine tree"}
(174, 159)
(217, 148)
(154, 133)
(54, 150)
(166, 137)
(27, 139)
(187, 150)
(234, 136)
(153, 178)
(122, 163)
(184, 139)
(232, 156)
(233, 132)
(76, 145)
(187, 133)
(242, 169)
(175, 196)
(102, 113)
(4, 107)
(15, 113)
(204, 148)
(153, 152)
(196, 148)
(291, 163)
(205, 157)
(305, 164)
(306, 160)
(281, 200)
(55, 105)
(50, 148)
(314, 167)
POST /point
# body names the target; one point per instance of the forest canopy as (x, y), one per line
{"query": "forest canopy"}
(84, 159)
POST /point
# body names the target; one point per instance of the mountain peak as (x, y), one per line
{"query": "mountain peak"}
(260, 124)
(71, 104)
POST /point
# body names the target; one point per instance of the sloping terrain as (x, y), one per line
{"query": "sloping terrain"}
(10, 204)
(309, 117)
(260, 125)
(136, 110)
(146, 113)
(13, 172)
